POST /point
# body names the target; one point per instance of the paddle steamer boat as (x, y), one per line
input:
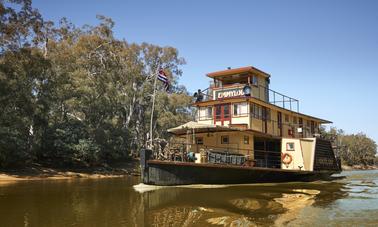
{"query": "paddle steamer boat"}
(244, 132)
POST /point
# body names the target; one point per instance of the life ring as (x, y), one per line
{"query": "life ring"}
(286, 158)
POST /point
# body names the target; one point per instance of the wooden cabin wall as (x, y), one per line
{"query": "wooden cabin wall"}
(236, 142)
(250, 121)
(257, 124)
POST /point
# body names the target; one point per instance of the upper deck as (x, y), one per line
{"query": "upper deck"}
(242, 98)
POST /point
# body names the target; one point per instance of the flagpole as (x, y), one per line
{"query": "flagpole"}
(152, 110)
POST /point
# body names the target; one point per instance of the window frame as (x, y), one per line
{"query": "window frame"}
(199, 139)
(216, 115)
(246, 139)
(225, 137)
(287, 118)
(206, 116)
(289, 147)
(256, 111)
(255, 80)
(241, 114)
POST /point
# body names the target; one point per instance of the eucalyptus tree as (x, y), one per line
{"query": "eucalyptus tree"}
(22, 71)
(78, 95)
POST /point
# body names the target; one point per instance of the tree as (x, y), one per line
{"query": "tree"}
(79, 96)
(358, 150)
(353, 149)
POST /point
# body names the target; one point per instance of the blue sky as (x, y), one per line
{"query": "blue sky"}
(324, 53)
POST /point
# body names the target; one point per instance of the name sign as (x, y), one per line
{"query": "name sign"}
(227, 93)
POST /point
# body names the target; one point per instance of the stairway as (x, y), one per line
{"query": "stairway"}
(324, 156)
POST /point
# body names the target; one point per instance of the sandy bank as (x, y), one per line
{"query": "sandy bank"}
(41, 173)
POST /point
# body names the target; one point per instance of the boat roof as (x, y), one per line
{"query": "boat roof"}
(228, 72)
(199, 128)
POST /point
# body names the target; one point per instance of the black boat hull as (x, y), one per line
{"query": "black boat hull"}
(166, 173)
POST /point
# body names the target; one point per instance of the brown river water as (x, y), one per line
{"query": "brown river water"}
(351, 201)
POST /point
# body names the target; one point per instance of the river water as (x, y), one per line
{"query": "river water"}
(351, 201)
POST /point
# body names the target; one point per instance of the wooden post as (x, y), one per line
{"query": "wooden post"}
(145, 155)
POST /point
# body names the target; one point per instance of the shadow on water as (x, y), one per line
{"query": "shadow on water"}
(115, 202)
(258, 204)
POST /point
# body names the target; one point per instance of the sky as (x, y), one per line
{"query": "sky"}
(324, 53)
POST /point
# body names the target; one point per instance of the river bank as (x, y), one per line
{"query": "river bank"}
(37, 172)
(358, 167)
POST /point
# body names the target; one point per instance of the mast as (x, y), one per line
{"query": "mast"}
(152, 110)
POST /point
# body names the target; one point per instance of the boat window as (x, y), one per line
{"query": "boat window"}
(268, 114)
(209, 111)
(254, 80)
(290, 146)
(256, 111)
(295, 120)
(265, 113)
(240, 109)
(224, 140)
(199, 140)
(218, 110)
(286, 118)
(205, 113)
(226, 111)
(218, 83)
(246, 139)
(312, 127)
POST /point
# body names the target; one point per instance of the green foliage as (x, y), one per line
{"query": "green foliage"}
(14, 147)
(353, 149)
(358, 150)
(69, 143)
(78, 96)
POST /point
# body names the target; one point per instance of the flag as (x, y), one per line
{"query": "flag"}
(163, 78)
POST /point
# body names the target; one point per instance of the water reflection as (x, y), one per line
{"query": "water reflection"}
(246, 205)
(114, 202)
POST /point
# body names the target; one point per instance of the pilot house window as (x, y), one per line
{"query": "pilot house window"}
(254, 80)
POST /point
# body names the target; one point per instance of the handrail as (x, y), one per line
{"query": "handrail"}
(226, 149)
(268, 95)
(260, 157)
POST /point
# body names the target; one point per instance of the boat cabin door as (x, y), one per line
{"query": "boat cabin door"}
(222, 114)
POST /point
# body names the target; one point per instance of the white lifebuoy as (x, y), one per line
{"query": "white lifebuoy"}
(286, 158)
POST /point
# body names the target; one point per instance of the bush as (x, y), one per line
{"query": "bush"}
(14, 147)
(69, 143)
(113, 142)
